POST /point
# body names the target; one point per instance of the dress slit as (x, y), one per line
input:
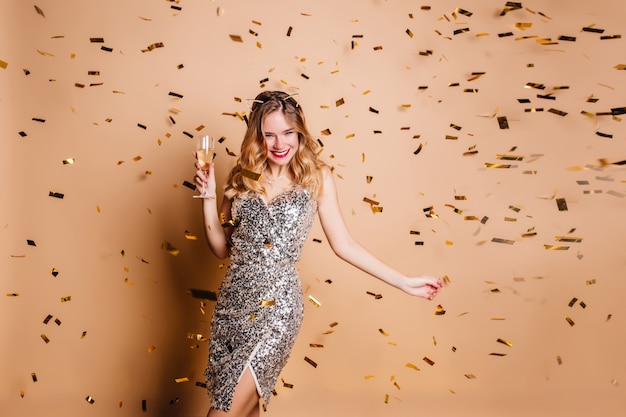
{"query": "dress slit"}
(248, 365)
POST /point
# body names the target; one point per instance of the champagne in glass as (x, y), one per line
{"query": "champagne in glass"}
(205, 148)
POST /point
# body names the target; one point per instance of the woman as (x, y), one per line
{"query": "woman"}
(270, 201)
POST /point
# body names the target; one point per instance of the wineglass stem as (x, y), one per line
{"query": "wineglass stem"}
(203, 188)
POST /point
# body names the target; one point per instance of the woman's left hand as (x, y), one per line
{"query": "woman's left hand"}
(424, 286)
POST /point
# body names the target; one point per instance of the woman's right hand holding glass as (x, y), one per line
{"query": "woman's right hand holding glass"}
(205, 179)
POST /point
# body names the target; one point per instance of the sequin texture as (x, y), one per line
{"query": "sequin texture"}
(260, 304)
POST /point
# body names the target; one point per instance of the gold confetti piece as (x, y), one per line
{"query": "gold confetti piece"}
(315, 302)
(236, 38)
(151, 349)
(69, 161)
(90, 399)
(369, 376)
(557, 112)
(376, 296)
(497, 354)
(196, 336)
(500, 240)
(412, 366)
(497, 166)
(470, 376)
(537, 86)
(440, 311)
(370, 201)
(505, 342)
(251, 175)
(137, 158)
(310, 362)
(268, 303)
(66, 299)
(428, 361)
(570, 321)
(463, 12)
(3, 64)
(381, 331)
(183, 379)
(510, 157)
(39, 11)
(568, 239)
(503, 122)
(45, 338)
(169, 248)
(554, 247)
(13, 294)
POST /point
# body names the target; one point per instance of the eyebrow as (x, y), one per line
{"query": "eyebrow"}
(284, 131)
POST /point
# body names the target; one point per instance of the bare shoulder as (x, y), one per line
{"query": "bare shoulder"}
(328, 188)
(327, 174)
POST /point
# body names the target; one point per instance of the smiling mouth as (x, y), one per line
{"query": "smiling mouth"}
(280, 154)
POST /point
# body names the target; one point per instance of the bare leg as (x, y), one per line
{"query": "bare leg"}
(245, 401)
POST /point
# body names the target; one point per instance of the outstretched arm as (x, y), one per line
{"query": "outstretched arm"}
(346, 248)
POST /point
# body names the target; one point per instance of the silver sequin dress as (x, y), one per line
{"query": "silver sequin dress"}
(260, 304)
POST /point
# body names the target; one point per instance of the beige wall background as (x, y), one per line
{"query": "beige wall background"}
(101, 239)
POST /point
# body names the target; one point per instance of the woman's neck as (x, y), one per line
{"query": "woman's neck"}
(272, 174)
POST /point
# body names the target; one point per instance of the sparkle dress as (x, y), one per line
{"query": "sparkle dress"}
(260, 304)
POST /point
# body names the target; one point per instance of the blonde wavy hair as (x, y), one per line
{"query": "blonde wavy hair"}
(304, 167)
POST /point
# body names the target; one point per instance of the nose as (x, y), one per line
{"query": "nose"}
(278, 142)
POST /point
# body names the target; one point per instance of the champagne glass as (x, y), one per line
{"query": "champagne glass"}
(205, 147)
